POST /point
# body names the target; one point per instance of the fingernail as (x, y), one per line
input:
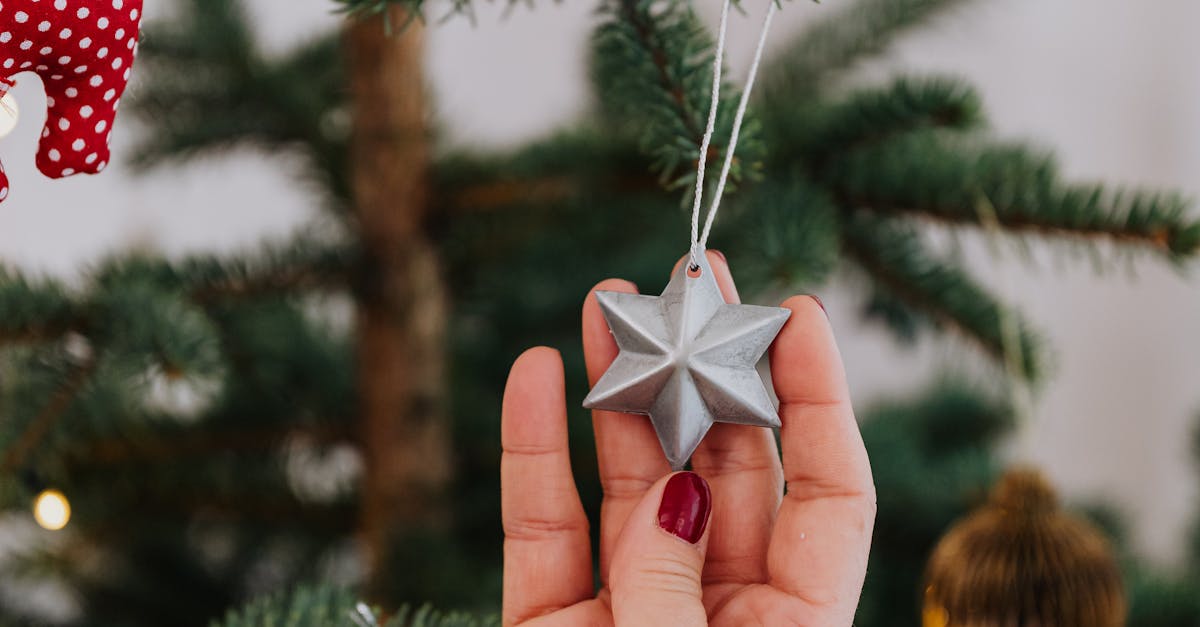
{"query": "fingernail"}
(819, 303)
(686, 505)
(721, 255)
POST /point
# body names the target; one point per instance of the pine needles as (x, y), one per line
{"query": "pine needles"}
(199, 494)
(652, 69)
(330, 607)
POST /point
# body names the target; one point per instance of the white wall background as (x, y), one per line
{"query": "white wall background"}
(1111, 85)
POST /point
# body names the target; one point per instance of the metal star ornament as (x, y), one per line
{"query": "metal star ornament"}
(687, 359)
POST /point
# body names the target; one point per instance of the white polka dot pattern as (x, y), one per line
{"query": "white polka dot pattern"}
(83, 50)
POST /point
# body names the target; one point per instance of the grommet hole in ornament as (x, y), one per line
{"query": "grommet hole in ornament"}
(693, 271)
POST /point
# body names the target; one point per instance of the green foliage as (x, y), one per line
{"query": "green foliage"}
(932, 461)
(30, 309)
(364, 8)
(1194, 552)
(840, 170)
(933, 290)
(871, 115)
(652, 68)
(305, 607)
(196, 506)
(797, 244)
(944, 177)
(838, 41)
(214, 90)
(329, 607)
(1157, 601)
(166, 407)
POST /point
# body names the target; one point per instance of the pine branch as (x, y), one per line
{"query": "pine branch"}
(894, 258)
(168, 446)
(835, 43)
(368, 8)
(215, 90)
(375, 7)
(137, 313)
(329, 607)
(41, 425)
(34, 311)
(301, 265)
(565, 166)
(286, 380)
(791, 226)
(818, 134)
(266, 504)
(38, 312)
(652, 69)
(934, 175)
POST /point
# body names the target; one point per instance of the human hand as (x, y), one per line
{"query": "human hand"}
(763, 558)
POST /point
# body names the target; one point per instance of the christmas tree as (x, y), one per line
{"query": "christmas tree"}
(225, 427)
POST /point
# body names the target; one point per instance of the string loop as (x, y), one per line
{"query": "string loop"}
(700, 238)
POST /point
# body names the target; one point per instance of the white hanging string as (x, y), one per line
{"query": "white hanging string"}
(708, 131)
(700, 239)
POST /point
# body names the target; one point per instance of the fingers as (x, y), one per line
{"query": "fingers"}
(629, 456)
(823, 534)
(547, 553)
(659, 556)
(590, 613)
(823, 451)
(742, 465)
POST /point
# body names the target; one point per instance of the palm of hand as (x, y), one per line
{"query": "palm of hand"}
(767, 558)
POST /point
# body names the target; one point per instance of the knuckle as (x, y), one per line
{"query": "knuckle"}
(535, 528)
(623, 487)
(660, 574)
(526, 449)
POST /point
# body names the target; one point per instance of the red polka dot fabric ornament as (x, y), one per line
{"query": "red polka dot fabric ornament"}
(83, 51)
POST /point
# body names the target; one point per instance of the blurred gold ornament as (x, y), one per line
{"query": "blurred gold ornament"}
(9, 113)
(932, 614)
(1020, 560)
(52, 510)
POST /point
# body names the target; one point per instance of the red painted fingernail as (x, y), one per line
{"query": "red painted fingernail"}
(819, 303)
(686, 505)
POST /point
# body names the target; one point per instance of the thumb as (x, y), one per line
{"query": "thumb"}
(655, 573)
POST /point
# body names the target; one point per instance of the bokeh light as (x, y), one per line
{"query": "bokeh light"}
(52, 510)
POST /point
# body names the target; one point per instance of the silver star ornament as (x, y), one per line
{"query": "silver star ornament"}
(687, 359)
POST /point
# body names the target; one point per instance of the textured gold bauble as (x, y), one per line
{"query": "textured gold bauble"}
(1021, 561)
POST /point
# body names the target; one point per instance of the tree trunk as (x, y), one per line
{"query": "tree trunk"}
(401, 300)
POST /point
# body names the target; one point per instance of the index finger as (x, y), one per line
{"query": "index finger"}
(823, 534)
(629, 456)
(547, 550)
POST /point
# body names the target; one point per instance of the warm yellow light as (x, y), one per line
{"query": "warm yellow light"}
(52, 510)
(933, 614)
